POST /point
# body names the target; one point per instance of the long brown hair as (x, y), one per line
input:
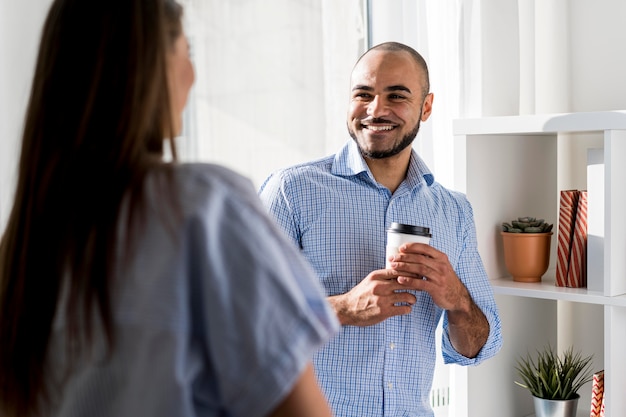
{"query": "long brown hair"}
(96, 121)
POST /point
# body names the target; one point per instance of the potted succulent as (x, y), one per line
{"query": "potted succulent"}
(526, 242)
(554, 380)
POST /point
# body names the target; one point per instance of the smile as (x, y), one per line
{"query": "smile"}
(378, 128)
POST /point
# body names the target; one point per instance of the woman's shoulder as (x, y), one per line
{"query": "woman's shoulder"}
(208, 174)
(211, 180)
(195, 187)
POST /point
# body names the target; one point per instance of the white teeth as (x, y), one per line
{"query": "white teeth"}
(379, 128)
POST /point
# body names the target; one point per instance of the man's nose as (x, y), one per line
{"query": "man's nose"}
(377, 107)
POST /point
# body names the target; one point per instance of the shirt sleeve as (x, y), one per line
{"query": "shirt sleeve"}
(263, 313)
(472, 273)
(275, 198)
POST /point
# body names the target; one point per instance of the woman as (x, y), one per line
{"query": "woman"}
(130, 286)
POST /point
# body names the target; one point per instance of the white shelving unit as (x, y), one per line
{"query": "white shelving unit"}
(509, 167)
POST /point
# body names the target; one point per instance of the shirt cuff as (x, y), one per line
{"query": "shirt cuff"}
(490, 348)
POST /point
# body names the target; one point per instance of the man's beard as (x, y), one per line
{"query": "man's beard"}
(407, 140)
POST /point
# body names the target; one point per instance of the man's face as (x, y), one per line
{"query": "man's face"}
(387, 103)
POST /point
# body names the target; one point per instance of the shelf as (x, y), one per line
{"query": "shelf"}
(542, 123)
(547, 289)
(517, 164)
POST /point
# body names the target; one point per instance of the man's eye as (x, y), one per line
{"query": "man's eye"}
(363, 95)
(396, 97)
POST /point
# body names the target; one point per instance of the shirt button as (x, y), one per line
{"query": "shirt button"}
(390, 385)
(392, 346)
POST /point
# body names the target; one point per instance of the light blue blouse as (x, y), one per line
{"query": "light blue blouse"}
(216, 314)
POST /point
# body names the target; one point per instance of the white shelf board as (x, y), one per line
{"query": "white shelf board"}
(546, 289)
(541, 123)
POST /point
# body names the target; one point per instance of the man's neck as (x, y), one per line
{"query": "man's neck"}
(390, 172)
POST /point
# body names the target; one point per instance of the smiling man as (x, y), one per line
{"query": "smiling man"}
(337, 210)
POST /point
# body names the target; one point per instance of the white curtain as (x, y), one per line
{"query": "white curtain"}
(445, 33)
(272, 80)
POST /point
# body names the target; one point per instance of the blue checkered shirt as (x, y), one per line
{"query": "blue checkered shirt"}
(337, 214)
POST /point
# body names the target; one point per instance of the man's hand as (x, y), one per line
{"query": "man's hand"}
(421, 267)
(374, 299)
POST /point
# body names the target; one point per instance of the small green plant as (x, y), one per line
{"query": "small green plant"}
(554, 377)
(527, 225)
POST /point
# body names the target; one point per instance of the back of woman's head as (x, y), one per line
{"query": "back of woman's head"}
(97, 117)
(100, 81)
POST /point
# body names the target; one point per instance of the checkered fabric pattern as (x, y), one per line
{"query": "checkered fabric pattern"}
(337, 214)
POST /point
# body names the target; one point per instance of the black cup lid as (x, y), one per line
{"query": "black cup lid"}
(409, 229)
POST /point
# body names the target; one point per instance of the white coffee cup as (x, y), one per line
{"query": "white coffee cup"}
(399, 233)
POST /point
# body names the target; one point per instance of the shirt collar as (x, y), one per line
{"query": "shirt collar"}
(349, 161)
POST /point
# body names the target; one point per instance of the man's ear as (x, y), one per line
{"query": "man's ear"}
(427, 106)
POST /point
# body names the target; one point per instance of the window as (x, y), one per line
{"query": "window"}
(272, 81)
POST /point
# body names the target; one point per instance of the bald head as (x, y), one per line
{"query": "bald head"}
(398, 47)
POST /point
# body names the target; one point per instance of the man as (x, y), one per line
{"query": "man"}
(337, 209)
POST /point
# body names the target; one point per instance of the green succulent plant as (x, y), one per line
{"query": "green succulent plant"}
(527, 225)
(554, 377)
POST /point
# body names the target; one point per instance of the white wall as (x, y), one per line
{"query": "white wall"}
(20, 25)
(595, 42)
(598, 58)
(500, 58)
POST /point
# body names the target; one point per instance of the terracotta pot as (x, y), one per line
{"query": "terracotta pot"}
(526, 255)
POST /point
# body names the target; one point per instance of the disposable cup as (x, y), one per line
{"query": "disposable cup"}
(399, 233)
